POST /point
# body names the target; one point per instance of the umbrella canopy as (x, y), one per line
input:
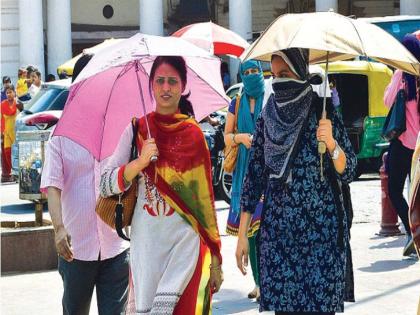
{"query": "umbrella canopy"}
(68, 66)
(340, 36)
(213, 38)
(114, 87)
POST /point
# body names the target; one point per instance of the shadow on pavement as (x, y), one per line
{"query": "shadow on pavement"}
(21, 208)
(398, 242)
(389, 265)
(233, 302)
(384, 293)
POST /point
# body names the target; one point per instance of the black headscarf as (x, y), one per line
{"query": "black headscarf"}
(286, 113)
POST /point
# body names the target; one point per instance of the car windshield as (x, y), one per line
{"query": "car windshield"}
(49, 99)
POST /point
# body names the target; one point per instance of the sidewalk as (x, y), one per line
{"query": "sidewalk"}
(385, 283)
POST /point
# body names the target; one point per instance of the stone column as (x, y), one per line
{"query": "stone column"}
(410, 7)
(58, 33)
(9, 39)
(326, 5)
(151, 17)
(31, 34)
(240, 21)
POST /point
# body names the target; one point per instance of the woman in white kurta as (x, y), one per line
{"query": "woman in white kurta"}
(175, 245)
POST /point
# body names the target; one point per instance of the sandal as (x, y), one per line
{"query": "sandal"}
(253, 293)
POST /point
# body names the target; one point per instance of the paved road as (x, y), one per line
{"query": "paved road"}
(386, 284)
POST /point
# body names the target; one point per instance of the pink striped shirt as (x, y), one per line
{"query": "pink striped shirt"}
(72, 169)
(409, 137)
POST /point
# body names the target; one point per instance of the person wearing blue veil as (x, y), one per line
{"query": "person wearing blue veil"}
(250, 104)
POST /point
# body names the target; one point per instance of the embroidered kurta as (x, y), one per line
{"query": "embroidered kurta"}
(301, 267)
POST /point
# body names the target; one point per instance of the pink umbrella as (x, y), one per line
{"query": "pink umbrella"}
(114, 87)
(213, 38)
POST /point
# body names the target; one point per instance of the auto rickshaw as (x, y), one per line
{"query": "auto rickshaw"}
(361, 86)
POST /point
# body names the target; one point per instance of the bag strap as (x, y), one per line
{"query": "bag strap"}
(119, 207)
(118, 221)
(238, 102)
(134, 151)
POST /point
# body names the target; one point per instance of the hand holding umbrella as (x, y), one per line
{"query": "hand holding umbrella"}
(149, 153)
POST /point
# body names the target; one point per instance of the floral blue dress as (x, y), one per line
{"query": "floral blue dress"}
(301, 267)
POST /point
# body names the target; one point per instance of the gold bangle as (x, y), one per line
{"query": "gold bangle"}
(233, 138)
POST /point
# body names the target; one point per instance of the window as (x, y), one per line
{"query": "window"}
(60, 101)
(108, 11)
(44, 99)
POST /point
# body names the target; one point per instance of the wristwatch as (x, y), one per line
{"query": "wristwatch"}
(336, 151)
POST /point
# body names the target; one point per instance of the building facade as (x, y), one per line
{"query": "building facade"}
(46, 33)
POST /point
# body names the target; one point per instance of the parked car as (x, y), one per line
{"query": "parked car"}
(50, 100)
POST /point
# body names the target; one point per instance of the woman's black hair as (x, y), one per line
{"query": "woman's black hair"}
(37, 72)
(10, 87)
(50, 77)
(178, 63)
(80, 65)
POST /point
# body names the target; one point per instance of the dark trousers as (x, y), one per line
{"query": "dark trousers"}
(399, 166)
(110, 277)
(310, 313)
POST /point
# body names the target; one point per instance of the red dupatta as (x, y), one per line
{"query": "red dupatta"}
(182, 173)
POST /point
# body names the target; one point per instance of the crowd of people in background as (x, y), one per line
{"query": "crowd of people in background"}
(13, 98)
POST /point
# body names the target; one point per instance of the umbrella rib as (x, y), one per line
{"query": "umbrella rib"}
(122, 72)
(360, 38)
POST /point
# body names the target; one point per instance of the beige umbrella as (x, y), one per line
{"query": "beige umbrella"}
(329, 37)
(333, 35)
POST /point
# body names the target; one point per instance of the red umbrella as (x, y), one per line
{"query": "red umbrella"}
(213, 38)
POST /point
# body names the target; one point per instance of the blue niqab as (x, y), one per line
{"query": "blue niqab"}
(253, 87)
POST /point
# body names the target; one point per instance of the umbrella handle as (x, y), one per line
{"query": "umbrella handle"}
(322, 147)
(154, 159)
